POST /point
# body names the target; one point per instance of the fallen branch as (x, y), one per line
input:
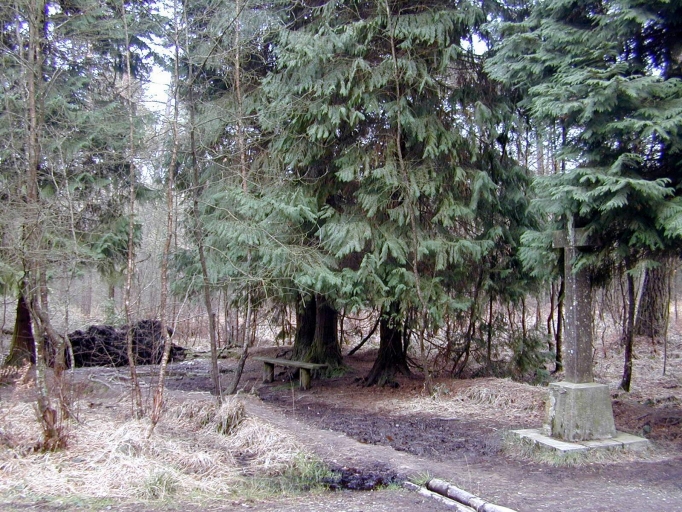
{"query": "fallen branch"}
(366, 339)
(479, 505)
(455, 505)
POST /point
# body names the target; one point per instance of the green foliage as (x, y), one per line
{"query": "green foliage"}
(530, 357)
(604, 74)
(83, 130)
(412, 187)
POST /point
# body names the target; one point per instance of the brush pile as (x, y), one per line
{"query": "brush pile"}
(106, 345)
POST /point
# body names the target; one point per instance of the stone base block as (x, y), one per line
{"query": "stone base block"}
(621, 441)
(579, 412)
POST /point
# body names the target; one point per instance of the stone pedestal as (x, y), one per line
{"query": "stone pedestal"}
(579, 412)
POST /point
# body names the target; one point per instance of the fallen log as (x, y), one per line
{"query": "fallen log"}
(479, 505)
(455, 505)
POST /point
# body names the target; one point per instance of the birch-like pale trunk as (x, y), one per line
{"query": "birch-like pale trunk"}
(34, 256)
(243, 169)
(136, 393)
(157, 402)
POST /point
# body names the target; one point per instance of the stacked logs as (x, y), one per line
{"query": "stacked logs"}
(106, 345)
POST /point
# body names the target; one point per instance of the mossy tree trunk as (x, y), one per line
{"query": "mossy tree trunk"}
(325, 347)
(306, 314)
(392, 356)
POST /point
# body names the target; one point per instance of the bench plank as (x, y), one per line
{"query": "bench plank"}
(288, 362)
(305, 369)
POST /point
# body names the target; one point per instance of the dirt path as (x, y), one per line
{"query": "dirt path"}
(348, 425)
(397, 433)
(634, 486)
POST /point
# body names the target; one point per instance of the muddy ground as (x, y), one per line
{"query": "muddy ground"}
(399, 432)
(379, 436)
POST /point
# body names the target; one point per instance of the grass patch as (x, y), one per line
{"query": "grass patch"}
(159, 485)
(305, 475)
(421, 479)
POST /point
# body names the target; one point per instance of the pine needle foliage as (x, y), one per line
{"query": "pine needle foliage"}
(377, 114)
(608, 75)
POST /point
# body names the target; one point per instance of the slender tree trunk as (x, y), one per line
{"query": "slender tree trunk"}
(199, 239)
(371, 333)
(198, 231)
(136, 392)
(157, 402)
(33, 285)
(629, 333)
(489, 343)
(241, 145)
(245, 349)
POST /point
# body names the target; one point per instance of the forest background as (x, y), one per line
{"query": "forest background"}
(324, 170)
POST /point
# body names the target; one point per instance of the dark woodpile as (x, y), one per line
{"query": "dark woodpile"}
(105, 345)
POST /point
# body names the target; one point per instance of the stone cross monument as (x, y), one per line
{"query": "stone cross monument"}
(578, 409)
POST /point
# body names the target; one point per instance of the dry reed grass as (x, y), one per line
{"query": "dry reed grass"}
(198, 449)
(488, 398)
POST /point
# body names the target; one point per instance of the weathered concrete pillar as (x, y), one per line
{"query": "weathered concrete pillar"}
(578, 409)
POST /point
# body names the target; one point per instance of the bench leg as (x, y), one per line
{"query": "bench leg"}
(305, 378)
(268, 372)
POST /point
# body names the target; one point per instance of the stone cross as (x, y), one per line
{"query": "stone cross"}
(577, 308)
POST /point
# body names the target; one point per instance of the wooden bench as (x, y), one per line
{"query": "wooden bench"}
(269, 364)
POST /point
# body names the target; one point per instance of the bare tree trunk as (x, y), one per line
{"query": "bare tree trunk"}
(197, 230)
(32, 290)
(136, 393)
(490, 334)
(671, 277)
(157, 402)
(245, 349)
(241, 145)
(629, 333)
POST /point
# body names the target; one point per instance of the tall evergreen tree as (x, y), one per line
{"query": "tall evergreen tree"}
(608, 72)
(375, 116)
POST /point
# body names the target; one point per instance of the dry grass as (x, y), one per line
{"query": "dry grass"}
(198, 450)
(489, 398)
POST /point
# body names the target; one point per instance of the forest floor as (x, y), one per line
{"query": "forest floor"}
(373, 435)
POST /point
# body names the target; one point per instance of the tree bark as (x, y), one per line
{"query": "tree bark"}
(158, 400)
(392, 357)
(654, 303)
(136, 392)
(306, 315)
(197, 227)
(629, 334)
(325, 348)
(22, 346)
